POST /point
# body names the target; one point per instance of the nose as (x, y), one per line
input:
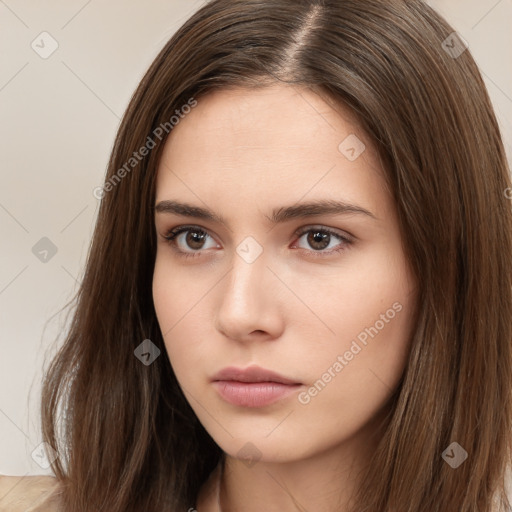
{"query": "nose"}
(250, 303)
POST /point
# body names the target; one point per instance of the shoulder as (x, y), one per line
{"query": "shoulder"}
(29, 494)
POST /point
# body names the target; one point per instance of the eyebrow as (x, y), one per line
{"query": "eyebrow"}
(279, 215)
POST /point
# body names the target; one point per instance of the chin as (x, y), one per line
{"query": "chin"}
(276, 448)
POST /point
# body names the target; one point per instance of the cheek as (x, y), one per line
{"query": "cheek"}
(164, 290)
(166, 287)
(353, 296)
(361, 350)
(353, 380)
(176, 293)
(177, 300)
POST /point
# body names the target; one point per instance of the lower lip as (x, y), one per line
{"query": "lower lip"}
(253, 394)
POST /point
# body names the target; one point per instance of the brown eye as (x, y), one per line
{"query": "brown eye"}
(318, 239)
(188, 240)
(195, 239)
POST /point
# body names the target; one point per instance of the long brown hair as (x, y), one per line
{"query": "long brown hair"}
(126, 436)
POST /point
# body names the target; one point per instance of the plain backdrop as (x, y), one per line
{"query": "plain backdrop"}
(58, 117)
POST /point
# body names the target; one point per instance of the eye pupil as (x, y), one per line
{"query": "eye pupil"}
(317, 237)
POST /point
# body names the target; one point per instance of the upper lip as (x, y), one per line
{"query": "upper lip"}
(251, 374)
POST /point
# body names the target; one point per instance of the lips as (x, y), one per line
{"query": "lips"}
(253, 386)
(252, 374)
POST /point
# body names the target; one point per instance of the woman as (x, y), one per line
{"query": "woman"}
(298, 294)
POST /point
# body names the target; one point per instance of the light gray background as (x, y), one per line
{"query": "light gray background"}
(58, 118)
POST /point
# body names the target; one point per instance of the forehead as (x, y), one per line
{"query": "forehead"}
(271, 142)
(272, 117)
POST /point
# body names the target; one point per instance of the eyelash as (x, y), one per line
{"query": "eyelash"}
(171, 235)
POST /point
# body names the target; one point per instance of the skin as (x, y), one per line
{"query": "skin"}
(295, 308)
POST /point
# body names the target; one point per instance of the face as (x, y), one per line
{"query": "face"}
(287, 257)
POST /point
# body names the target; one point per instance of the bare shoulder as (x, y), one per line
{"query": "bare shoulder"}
(29, 494)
